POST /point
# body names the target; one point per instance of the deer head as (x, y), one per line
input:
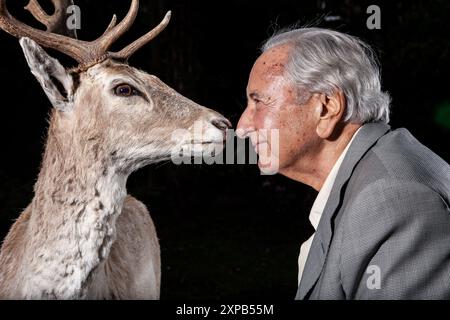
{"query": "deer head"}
(130, 114)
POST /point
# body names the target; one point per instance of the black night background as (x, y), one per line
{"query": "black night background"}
(225, 230)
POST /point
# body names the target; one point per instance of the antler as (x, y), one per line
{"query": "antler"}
(128, 51)
(55, 23)
(85, 53)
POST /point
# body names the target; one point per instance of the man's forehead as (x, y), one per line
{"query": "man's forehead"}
(273, 61)
(268, 69)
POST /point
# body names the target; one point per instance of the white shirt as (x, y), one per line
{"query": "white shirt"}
(319, 205)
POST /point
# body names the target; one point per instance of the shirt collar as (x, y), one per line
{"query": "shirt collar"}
(324, 193)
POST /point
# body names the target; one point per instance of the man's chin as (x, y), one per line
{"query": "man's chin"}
(268, 166)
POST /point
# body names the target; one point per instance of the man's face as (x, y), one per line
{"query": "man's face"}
(274, 104)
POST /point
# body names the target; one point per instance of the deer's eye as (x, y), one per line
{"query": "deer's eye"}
(125, 90)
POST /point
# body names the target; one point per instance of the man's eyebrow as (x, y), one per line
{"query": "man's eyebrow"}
(255, 96)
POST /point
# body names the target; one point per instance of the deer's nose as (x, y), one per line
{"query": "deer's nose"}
(221, 123)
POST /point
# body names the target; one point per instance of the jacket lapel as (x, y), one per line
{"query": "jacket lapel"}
(366, 138)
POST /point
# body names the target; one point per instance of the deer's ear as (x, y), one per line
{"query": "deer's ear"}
(53, 77)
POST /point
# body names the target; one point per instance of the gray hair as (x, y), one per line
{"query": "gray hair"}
(323, 61)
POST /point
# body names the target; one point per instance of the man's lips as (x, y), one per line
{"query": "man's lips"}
(259, 145)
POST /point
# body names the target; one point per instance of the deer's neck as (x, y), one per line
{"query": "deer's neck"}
(78, 197)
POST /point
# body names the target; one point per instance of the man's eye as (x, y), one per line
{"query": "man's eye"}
(259, 103)
(125, 90)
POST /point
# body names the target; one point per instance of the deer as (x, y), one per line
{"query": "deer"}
(82, 236)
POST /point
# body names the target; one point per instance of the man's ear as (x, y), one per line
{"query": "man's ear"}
(53, 77)
(329, 112)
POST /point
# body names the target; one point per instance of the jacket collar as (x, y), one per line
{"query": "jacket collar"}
(366, 138)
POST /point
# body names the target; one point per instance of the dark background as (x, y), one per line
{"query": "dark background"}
(225, 230)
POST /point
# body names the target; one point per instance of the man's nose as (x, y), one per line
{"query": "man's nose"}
(245, 124)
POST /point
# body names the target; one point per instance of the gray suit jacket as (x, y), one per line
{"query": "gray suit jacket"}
(385, 230)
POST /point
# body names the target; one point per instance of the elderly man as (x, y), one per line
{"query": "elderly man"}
(382, 217)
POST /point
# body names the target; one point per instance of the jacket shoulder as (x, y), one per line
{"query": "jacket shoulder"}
(399, 156)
